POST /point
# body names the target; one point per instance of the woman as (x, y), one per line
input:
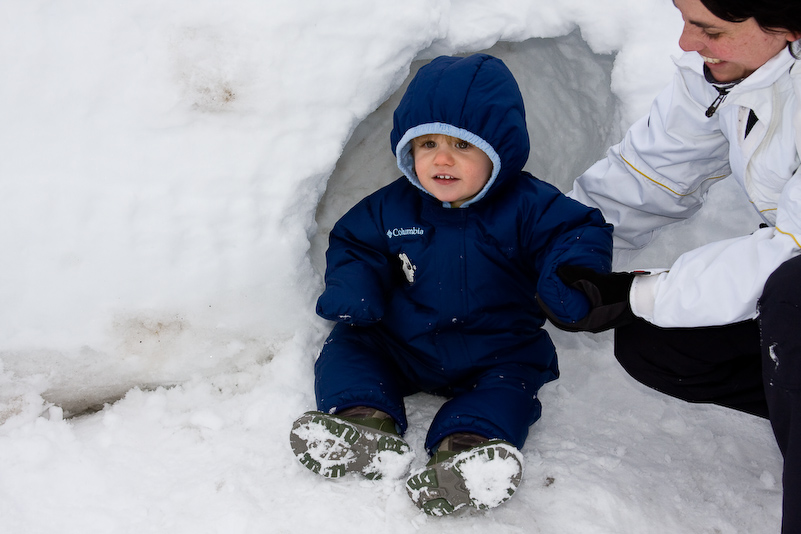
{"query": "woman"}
(722, 325)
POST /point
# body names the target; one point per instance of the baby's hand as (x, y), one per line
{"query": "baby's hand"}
(607, 295)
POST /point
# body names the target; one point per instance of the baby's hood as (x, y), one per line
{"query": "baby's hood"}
(475, 99)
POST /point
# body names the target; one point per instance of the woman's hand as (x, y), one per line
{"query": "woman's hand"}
(608, 295)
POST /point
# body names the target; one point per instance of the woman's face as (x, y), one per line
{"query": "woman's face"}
(731, 50)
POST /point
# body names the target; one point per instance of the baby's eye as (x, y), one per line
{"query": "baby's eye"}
(463, 144)
(428, 143)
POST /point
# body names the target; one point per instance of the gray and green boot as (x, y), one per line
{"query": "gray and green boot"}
(482, 476)
(334, 445)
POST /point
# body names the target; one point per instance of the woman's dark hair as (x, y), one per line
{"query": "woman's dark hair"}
(769, 14)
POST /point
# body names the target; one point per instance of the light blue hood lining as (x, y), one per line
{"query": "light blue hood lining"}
(406, 161)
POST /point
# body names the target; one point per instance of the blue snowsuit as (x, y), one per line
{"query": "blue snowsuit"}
(439, 299)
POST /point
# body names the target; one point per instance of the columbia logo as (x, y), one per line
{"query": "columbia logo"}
(398, 232)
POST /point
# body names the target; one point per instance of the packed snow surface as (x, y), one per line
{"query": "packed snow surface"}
(168, 176)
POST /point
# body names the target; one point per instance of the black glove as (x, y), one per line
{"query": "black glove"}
(608, 295)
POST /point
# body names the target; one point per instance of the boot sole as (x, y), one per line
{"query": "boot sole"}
(333, 447)
(482, 477)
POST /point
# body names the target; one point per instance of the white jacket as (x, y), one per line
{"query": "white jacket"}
(661, 171)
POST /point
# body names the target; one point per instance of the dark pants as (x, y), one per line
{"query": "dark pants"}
(753, 366)
(362, 366)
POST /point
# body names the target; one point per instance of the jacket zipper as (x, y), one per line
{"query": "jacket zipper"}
(723, 92)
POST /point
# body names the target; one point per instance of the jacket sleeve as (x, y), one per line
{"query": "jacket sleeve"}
(568, 233)
(357, 274)
(660, 172)
(721, 282)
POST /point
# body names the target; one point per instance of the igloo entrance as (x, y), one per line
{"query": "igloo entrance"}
(571, 112)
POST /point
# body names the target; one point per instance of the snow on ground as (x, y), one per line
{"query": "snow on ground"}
(168, 175)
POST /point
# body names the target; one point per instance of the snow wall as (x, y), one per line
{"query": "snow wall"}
(169, 176)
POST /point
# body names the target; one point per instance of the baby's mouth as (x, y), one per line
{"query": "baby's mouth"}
(444, 177)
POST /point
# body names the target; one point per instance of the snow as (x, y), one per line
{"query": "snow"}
(169, 171)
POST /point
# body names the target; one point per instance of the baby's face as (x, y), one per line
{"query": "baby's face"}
(450, 169)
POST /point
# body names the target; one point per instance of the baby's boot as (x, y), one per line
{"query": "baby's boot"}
(359, 440)
(466, 470)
